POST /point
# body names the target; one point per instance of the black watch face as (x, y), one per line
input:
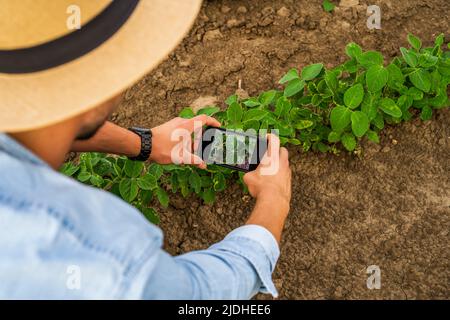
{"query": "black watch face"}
(140, 130)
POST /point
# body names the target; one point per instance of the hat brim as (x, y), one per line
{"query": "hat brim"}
(35, 100)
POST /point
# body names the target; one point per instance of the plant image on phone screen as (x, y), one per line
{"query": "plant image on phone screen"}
(232, 149)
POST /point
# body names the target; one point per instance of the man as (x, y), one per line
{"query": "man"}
(61, 239)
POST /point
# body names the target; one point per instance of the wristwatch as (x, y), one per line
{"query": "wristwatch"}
(146, 143)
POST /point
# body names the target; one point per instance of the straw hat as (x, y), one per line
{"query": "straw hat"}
(51, 71)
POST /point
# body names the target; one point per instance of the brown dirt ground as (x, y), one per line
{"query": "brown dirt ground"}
(390, 208)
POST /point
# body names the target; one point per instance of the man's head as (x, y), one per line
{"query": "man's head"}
(79, 53)
(94, 119)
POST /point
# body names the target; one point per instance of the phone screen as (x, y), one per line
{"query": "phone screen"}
(232, 149)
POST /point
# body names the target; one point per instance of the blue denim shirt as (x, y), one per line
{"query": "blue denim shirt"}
(60, 239)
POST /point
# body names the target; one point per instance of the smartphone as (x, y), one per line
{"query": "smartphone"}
(232, 149)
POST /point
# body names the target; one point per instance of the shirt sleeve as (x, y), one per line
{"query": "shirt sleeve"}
(238, 267)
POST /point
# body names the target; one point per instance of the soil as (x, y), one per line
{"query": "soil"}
(390, 207)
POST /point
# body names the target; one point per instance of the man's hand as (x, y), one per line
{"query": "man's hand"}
(272, 191)
(277, 185)
(163, 144)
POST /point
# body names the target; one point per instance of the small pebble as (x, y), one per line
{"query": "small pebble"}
(242, 9)
(284, 12)
(213, 35)
(225, 9)
(348, 3)
(267, 11)
(233, 23)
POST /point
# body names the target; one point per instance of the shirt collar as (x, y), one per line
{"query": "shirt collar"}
(18, 151)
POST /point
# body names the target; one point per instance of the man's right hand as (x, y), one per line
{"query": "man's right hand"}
(272, 191)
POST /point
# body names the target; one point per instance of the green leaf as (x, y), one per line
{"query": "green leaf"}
(353, 50)
(354, 96)
(209, 196)
(155, 170)
(426, 114)
(251, 103)
(206, 181)
(376, 78)
(312, 71)
(439, 40)
(370, 105)
(147, 182)
(209, 111)
(426, 60)
(231, 99)
(440, 100)
(404, 103)
(390, 107)
(360, 123)
(195, 181)
(331, 81)
(146, 197)
(163, 197)
(351, 66)
(295, 142)
(334, 137)
(282, 107)
(219, 182)
(69, 169)
(96, 180)
(289, 76)
(316, 100)
(128, 189)
(415, 93)
(186, 113)
(370, 58)
(254, 114)
(234, 113)
(151, 215)
(294, 87)
(414, 42)
(133, 169)
(435, 81)
(83, 176)
(104, 167)
(378, 121)
(373, 136)
(348, 141)
(444, 67)
(396, 77)
(267, 97)
(297, 114)
(421, 79)
(328, 6)
(252, 124)
(304, 124)
(409, 56)
(285, 129)
(340, 118)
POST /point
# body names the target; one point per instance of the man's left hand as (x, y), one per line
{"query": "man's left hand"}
(163, 143)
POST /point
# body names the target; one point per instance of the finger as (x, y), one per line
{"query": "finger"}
(197, 138)
(193, 159)
(284, 155)
(198, 162)
(273, 142)
(273, 147)
(205, 120)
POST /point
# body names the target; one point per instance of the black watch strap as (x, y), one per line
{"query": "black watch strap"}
(146, 143)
